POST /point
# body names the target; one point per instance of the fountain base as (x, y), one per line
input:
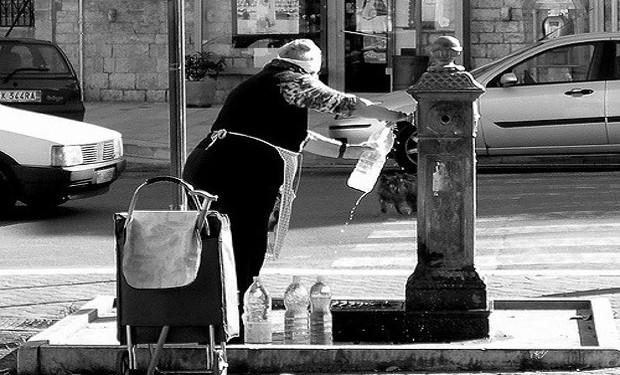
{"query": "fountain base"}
(388, 322)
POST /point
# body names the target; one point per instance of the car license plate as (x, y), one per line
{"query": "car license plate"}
(20, 96)
(104, 175)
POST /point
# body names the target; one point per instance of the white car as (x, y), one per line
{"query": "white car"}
(46, 160)
(555, 100)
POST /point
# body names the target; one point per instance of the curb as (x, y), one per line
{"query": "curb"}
(146, 150)
(29, 359)
(157, 153)
(70, 324)
(42, 356)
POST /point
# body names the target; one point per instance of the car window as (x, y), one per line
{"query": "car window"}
(38, 57)
(576, 63)
(490, 66)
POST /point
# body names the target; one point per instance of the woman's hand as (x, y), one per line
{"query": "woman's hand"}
(366, 108)
(399, 116)
(355, 151)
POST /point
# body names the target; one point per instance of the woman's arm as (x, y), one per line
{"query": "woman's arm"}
(307, 91)
(366, 108)
(321, 145)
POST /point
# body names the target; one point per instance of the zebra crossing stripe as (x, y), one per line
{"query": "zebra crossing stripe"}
(576, 260)
(292, 271)
(576, 229)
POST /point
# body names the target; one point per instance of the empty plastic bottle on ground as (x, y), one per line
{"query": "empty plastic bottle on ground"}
(320, 313)
(256, 314)
(296, 316)
(370, 163)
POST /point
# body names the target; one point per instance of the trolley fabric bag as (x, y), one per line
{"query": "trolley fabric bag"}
(176, 268)
(162, 249)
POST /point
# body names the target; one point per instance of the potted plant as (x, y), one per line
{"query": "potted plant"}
(201, 71)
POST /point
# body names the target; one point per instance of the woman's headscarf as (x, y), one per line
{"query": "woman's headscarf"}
(303, 53)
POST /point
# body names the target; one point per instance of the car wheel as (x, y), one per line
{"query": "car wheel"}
(406, 147)
(44, 202)
(7, 193)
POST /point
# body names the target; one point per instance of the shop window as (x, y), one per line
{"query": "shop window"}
(371, 16)
(438, 15)
(265, 25)
(16, 13)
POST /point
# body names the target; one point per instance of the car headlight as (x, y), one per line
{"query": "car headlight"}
(65, 156)
(118, 148)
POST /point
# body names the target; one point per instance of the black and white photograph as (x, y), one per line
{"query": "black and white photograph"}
(310, 187)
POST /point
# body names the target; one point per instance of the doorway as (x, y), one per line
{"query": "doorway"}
(367, 27)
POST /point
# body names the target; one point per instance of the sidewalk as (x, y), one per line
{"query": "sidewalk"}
(39, 299)
(146, 129)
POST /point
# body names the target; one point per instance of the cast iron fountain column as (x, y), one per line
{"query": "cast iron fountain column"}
(445, 296)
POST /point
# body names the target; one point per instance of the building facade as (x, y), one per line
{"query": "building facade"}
(120, 47)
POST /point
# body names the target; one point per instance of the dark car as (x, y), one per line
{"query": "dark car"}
(37, 76)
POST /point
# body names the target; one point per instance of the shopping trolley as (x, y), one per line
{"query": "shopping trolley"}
(176, 281)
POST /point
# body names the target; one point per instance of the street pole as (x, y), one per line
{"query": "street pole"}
(176, 84)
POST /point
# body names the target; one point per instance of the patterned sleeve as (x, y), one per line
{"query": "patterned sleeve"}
(307, 91)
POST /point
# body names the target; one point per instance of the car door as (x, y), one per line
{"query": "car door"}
(554, 103)
(613, 101)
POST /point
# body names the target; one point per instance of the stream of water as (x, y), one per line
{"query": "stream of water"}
(352, 212)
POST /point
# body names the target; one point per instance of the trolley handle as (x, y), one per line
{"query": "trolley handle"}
(200, 198)
(207, 199)
(191, 192)
(172, 179)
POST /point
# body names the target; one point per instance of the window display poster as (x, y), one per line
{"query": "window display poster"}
(371, 16)
(403, 14)
(267, 16)
(440, 13)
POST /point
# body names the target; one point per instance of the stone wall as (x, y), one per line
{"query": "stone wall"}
(124, 59)
(123, 52)
(499, 27)
(125, 48)
(496, 29)
(217, 37)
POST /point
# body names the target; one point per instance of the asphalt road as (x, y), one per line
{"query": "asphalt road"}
(526, 221)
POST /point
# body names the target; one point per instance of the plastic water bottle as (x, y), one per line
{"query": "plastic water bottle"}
(296, 317)
(320, 313)
(370, 163)
(256, 314)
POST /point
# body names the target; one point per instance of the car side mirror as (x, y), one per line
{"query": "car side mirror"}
(508, 79)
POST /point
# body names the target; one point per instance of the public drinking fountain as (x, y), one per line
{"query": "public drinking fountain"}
(445, 296)
(445, 299)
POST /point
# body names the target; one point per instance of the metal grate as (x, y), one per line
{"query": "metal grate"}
(98, 152)
(108, 150)
(16, 13)
(89, 153)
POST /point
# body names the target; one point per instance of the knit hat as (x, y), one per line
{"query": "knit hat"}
(303, 53)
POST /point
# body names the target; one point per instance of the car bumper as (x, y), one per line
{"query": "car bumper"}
(72, 182)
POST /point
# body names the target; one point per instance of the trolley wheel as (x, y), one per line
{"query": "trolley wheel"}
(122, 365)
(220, 365)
